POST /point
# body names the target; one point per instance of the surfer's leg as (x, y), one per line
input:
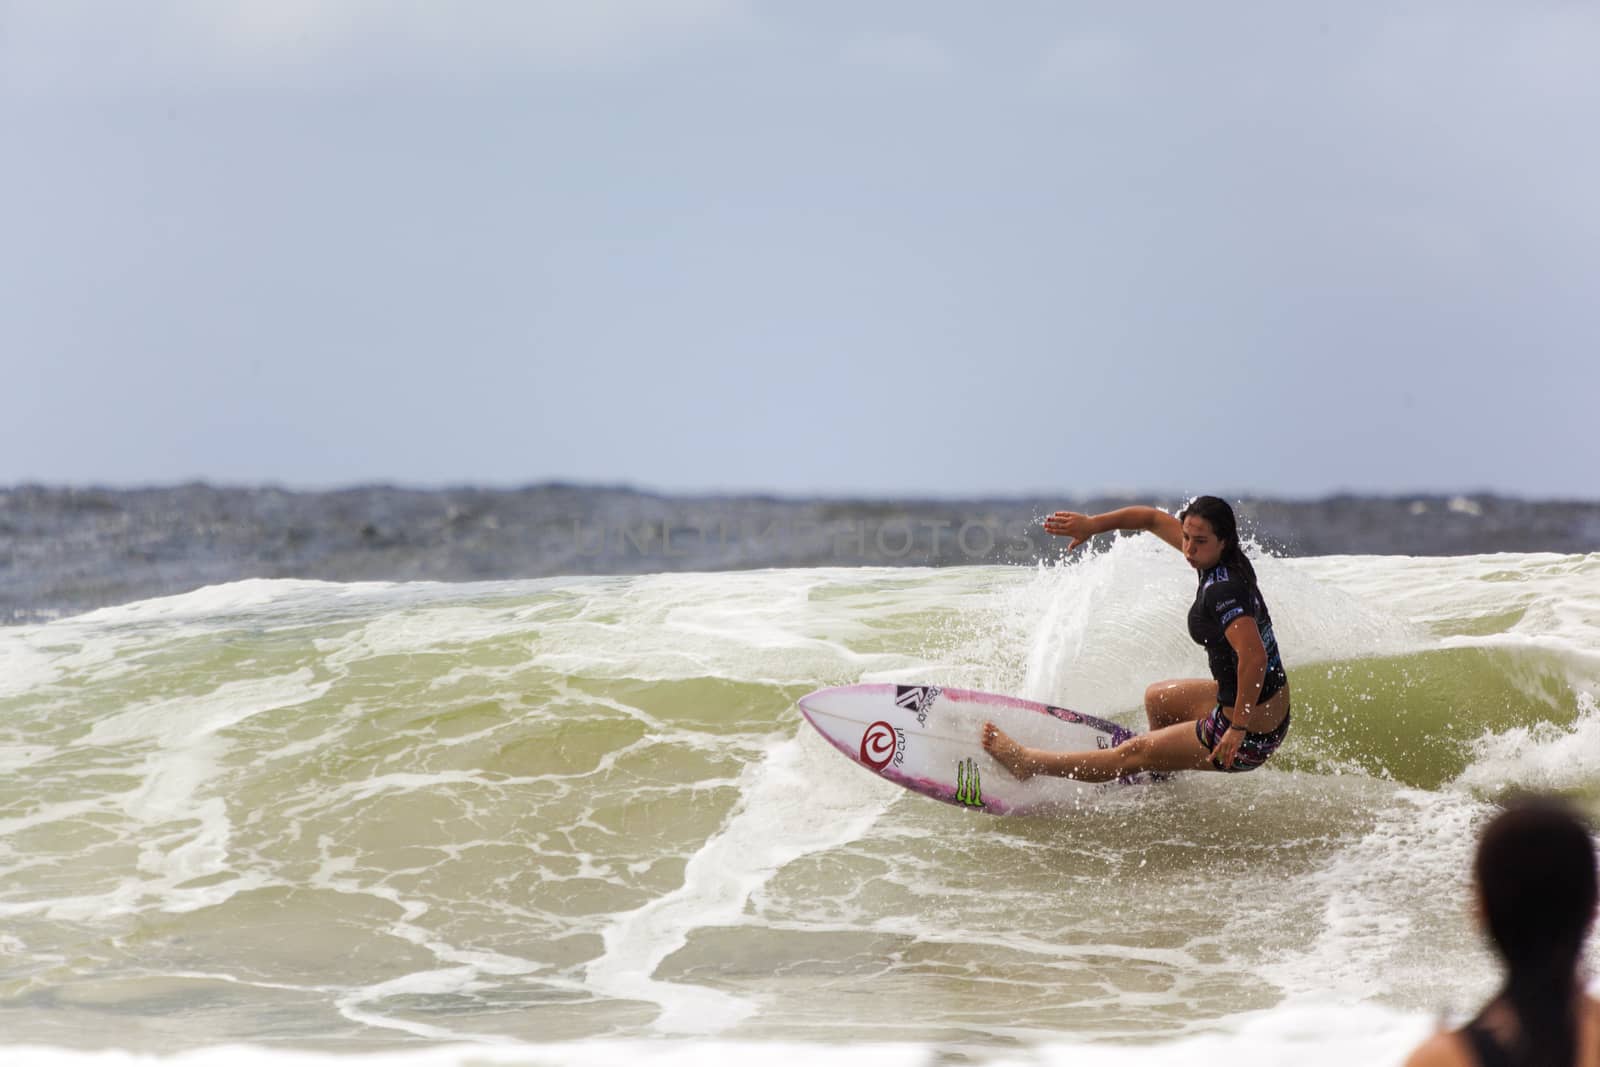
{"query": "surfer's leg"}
(1179, 700)
(1172, 748)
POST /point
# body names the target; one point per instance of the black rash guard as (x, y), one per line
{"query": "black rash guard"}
(1224, 596)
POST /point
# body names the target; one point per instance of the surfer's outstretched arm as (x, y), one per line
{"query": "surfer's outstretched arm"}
(1172, 748)
(1082, 527)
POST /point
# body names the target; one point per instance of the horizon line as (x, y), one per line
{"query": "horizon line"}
(792, 495)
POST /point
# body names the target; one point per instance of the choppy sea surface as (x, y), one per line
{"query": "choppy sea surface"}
(580, 820)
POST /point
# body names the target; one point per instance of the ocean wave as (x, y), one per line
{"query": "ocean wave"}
(341, 816)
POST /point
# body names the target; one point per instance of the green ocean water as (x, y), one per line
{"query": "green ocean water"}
(374, 816)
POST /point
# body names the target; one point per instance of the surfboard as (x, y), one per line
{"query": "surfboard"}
(925, 738)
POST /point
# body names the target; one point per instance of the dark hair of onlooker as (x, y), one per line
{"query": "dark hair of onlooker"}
(1535, 871)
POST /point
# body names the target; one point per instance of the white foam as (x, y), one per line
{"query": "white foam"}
(33, 658)
(24, 667)
(768, 626)
(1375, 894)
(178, 721)
(444, 981)
(185, 834)
(418, 629)
(1556, 595)
(1544, 756)
(248, 596)
(16, 757)
(462, 971)
(1106, 626)
(782, 817)
(1100, 628)
(1313, 1035)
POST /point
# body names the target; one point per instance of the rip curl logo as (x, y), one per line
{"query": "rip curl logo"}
(879, 745)
(916, 699)
(969, 789)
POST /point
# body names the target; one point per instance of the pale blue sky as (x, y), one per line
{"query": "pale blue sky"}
(908, 247)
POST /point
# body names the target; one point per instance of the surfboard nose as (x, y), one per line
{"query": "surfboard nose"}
(817, 702)
(817, 698)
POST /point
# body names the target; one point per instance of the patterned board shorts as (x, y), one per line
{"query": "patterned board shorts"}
(1253, 750)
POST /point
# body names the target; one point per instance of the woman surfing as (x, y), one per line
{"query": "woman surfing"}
(1232, 721)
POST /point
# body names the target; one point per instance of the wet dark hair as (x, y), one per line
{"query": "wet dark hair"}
(1535, 870)
(1219, 514)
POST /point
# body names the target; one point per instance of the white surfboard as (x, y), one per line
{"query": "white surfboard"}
(926, 739)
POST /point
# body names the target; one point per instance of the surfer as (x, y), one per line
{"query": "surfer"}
(1534, 884)
(1232, 721)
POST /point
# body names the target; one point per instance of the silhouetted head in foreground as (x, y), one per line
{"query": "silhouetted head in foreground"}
(1536, 885)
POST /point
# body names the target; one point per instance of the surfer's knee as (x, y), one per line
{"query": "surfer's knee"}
(1157, 695)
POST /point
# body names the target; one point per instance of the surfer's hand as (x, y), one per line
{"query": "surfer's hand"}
(1070, 524)
(1227, 748)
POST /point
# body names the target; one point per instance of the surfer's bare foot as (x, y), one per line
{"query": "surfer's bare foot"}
(1012, 756)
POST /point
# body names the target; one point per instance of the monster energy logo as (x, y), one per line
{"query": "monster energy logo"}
(969, 791)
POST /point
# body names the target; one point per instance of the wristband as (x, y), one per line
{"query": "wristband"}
(1236, 726)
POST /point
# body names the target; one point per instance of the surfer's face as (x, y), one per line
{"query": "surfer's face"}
(1200, 545)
